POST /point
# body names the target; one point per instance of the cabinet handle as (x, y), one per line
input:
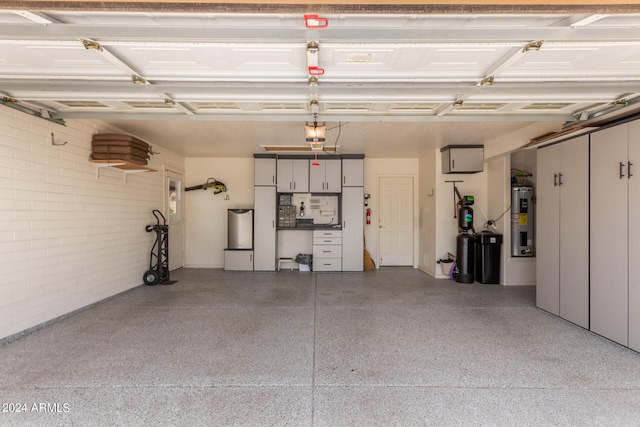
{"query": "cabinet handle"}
(273, 179)
(629, 174)
(250, 257)
(344, 179)
(323, 185)
(621, 174)
(273, 224)
(559, 179)
(555, 179)
(294, 185)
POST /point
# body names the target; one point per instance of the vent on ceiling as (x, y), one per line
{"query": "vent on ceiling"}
(555, 106)
(216, 105)
(361, 57)
(413, 106)
(351, 106)
(283, 106)
(480, 106)
(149, 104)
(83, 104)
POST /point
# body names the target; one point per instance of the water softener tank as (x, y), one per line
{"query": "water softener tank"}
(465, 257)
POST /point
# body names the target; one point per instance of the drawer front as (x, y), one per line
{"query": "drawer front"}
(327, 251)
(327, 241)
(327, 264)
(327, 233)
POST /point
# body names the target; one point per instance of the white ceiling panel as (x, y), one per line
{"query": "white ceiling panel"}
(433, 79)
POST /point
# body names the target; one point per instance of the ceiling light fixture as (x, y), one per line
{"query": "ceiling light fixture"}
(315, 132)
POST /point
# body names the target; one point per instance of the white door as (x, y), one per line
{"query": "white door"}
(175, 217)
(395, 221)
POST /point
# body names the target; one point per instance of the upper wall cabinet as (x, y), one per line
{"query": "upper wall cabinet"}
(462, 158)
(293, 175)
(353, 172)
(264, 171)
(325, 176)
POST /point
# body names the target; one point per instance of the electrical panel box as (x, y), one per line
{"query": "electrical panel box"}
(462, 158)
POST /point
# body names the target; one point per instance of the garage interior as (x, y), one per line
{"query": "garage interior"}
(210, 85)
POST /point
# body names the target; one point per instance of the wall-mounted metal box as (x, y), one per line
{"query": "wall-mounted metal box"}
(462, 158)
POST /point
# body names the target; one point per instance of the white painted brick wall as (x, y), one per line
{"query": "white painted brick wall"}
(67, 237)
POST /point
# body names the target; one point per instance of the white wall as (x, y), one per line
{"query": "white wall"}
(206, 213)
(67, 237)
(446, 225)
(427, 207)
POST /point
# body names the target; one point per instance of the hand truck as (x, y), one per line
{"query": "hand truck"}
(158, 272)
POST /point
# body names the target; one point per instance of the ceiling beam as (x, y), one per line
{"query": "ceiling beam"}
(304, 116)
(332, 6)
(87, 89)
(191, 33)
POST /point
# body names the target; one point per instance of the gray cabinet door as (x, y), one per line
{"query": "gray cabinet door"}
(352, 229)
(353, 172)
(264, 171)
(285, 176)
(573, 184)
(293, 176)
(634, 235)
(264, 242)
(547, 231)
(301, 176)
(326, 177)
(609, 281)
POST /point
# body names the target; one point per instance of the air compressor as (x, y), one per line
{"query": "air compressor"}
(465, 242)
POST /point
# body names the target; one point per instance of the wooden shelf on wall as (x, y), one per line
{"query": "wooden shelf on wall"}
(126, 166)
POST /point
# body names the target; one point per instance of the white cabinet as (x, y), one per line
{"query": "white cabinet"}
(352, 229)
(562, 230)
(325, 176)
(293, 175)
(327, 250)
(353, 172)
(238, 260)
(462, 158)
(264, 171)
(264, 246)
(614, 254)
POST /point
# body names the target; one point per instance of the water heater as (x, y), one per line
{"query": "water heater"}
(522, 221)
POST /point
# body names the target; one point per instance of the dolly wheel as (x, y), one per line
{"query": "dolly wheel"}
(151, 277)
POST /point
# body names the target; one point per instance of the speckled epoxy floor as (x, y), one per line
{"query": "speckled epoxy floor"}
(393, 347)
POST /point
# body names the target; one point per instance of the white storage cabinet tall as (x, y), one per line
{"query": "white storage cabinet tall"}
(615, 234)
(562, 230)
(353, 214)
(264, 247)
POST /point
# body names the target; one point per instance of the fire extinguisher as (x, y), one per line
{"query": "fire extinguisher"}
(368, 216)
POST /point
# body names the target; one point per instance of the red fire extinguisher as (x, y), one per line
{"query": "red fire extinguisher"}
(368, 216)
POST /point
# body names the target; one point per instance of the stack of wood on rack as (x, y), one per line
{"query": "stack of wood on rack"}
(123, 148)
